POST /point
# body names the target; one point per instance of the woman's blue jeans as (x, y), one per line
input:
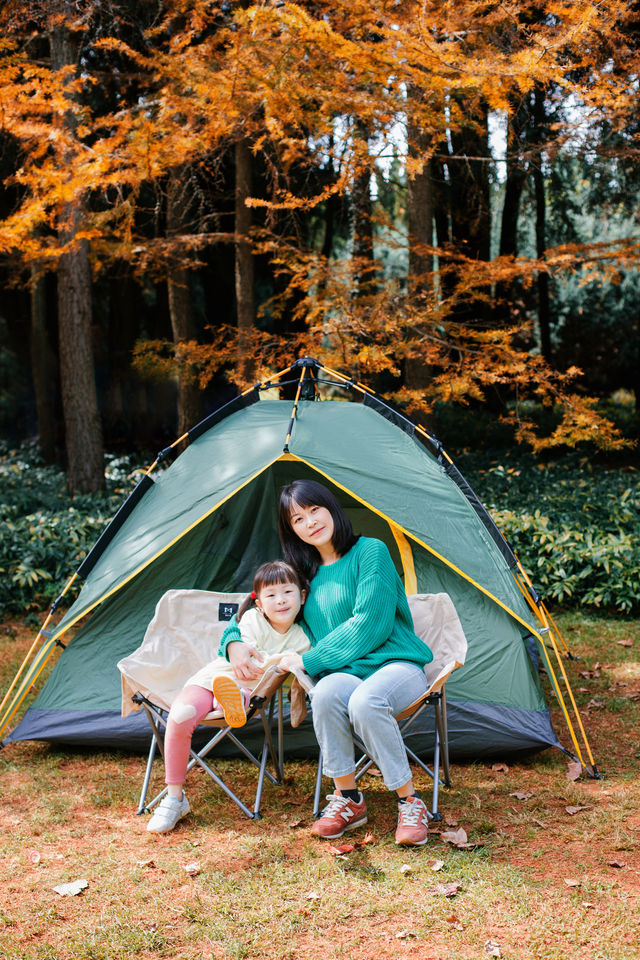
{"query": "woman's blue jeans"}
(341, 702)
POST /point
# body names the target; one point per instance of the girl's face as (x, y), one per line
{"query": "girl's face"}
(312, 525)
(280, 603)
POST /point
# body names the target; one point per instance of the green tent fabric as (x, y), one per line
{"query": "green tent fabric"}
(209, 520)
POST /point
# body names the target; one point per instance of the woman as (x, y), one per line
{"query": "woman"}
(365, 651)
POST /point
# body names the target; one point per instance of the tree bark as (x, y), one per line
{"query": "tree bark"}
(190, 407)
(245, 301)
(544, 309)
(470, 202)
(42, 368)
(517, 141)
(83, 432)
(420, 207)
(420, 210)
(362, 226)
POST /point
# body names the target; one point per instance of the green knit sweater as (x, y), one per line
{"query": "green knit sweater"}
(358, 615)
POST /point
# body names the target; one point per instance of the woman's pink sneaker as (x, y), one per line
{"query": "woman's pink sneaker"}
(413, 822)
(341, 814)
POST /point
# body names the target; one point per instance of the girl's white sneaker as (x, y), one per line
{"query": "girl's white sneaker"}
(169, 812)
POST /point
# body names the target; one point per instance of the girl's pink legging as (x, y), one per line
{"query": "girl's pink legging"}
(188, 709)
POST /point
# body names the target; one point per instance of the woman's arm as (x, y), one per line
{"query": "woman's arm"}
(372, 620)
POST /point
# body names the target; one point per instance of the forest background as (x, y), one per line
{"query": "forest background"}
(441, 199)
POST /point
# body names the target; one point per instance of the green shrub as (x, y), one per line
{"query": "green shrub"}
(573, 525)
(46, 533)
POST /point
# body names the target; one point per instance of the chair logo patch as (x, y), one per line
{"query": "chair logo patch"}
(227, 610)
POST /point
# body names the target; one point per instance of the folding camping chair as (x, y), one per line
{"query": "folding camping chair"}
(182, 637)
(437, 623)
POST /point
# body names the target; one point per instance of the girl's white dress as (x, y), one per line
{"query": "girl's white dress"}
(271, 645)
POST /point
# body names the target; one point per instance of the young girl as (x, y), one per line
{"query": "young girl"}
(268, 627)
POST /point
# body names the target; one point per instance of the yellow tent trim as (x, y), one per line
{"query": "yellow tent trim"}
(406, 556)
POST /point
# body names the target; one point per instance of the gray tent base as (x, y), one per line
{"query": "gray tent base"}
(476, 731)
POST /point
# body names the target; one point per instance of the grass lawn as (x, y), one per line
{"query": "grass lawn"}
(542, 882)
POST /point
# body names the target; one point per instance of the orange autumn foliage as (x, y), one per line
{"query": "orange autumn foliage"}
(301, 82)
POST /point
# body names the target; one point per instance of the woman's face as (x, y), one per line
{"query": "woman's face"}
(312, 525)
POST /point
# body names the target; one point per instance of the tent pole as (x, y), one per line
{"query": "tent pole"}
(23, 667)
(294, 411)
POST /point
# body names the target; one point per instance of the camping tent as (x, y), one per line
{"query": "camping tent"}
(209, 519)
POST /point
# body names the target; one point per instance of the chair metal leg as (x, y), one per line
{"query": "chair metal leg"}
(147, 775)
(280, 764)
(441, 715)
(318, 788)
(158, 724)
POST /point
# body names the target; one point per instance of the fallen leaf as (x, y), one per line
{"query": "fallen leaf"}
(618, 864)
(435, 865)
(588, 905)
(539, 823)
(492, 948)
(454, 836)
(403, 934)
(35, 856)
(596, 670)
(192, 869)
(625, 643)
(455, 923)
(71, 889)
(374, 772)
(574, 770)
(573, 810)
(405, 868)
(500, 768)
(368, 838)
(451, 822)
(595, 704)
(572, 883)
(521, 796)
(145, 863)
(341, 850)
(312, 895)
(294, 824)
(446, 889)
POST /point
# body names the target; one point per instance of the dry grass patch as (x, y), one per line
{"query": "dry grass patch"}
(544, 883)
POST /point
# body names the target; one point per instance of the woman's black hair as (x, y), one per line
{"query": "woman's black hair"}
(268, 575)
(309, 493)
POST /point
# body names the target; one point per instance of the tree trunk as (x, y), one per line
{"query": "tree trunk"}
(83, 433)
(42, 367)
(245, 303)
(470, 202)
(362, 225)
(517, 141)
(420, 209)
(420, 206)
(544, 310)
(190, 408)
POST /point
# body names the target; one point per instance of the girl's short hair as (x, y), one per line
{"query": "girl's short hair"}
(309, 493)
(268, 575)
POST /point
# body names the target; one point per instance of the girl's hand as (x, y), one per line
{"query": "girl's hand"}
(245, 660)
(291, 663)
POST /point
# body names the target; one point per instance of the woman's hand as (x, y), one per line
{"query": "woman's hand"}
(291, 663)
(245, 660)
